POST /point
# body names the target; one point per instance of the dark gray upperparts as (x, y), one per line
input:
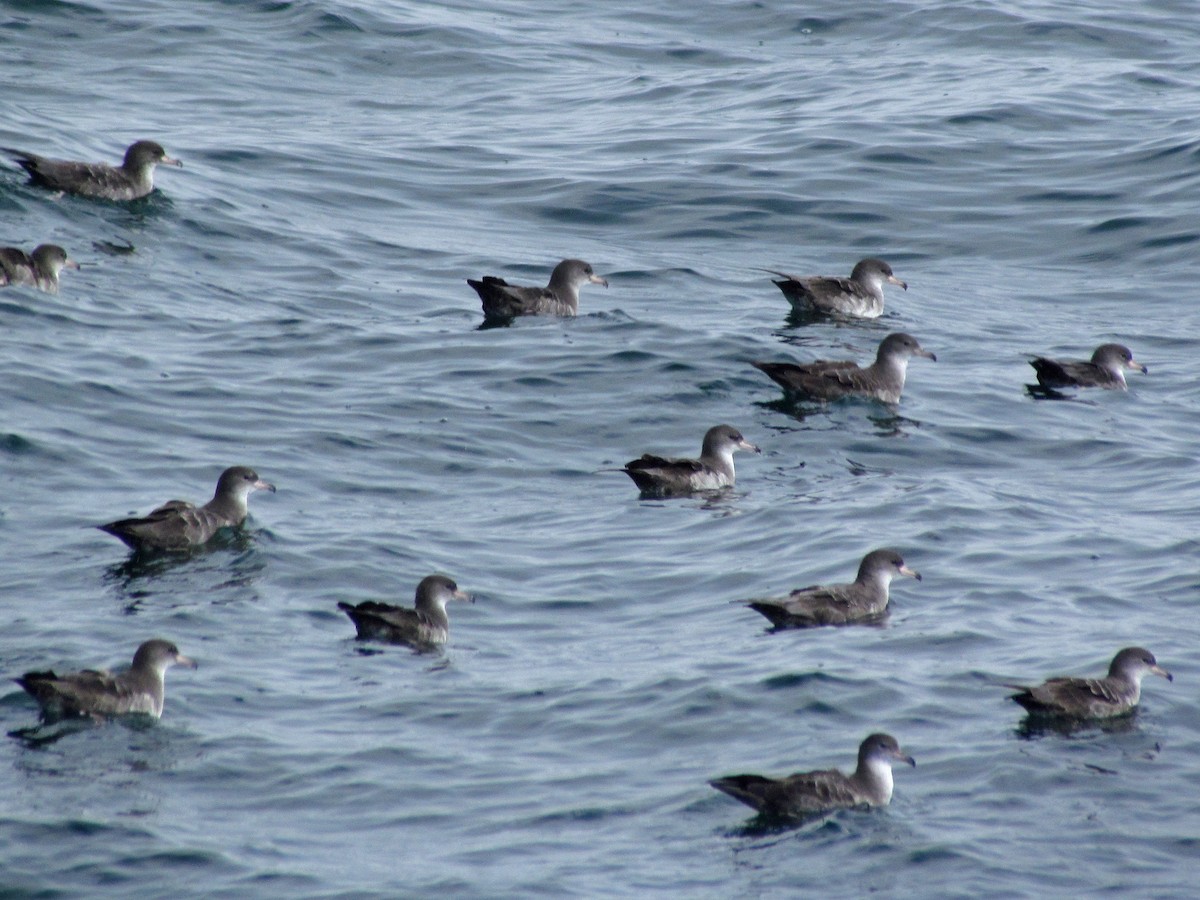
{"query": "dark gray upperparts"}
(1106, 369)
(859, 296)
(807, 793)
(560, 297)
(132, 179)
(664, 476)
(425, 625)
(98, 693)
(831, 380)
(863, 600)
(180, 525)
(39, 268)
(1116, 694)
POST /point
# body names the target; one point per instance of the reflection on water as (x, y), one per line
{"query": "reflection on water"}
(53, 728)
(1037, 725)
(221, 571)
(1041, 392)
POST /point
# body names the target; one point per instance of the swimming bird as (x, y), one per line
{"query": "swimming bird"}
(1105, 369)
(663, 476)
(179, 525)
(860, 295)
(560, 297)
(426, 625)
(863, 599)
(99, 693)
(832, 380)
(1116, 694)
(39, 268)
(132, 179)
(807, 793)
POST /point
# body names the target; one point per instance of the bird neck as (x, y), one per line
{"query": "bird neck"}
(151, 680)
(565, 290)
(721, 460)
(1132, 681)
(434, 612)
(229, 504)
(874, 777)
(876, 580)
(892, 362)
(873, 283)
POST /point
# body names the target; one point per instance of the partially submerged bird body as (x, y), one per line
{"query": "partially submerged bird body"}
(1106, 369)
(39, 268)
(664, 476)
(860, 295)
(809, 793)
(1117, 694)
(863, 600)
(180, 525)
(99, 694)
(132, 179)
(832, 380)
(425, 625)
(560, 297)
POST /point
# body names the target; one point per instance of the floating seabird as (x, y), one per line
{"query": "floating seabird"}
(560, 297)
(132, 179)
(39, 268)
(864, 599)
(807, 793)
(179, 525)
(1105, 369)
(713, 470)
(426, 625)
(1116, 694)
(860, 295)
(832, 380)
(99, 693)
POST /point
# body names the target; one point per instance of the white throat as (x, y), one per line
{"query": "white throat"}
(881, 778)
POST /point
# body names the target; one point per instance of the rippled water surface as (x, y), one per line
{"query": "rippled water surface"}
(294, 299)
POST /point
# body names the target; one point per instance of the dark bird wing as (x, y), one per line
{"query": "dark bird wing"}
(89, 692)
(176, 525)
(66, 175)
(764, 794)
(1068, 373)
(815, 791)
(1079, 696)
(503, 300)
(383, 620)
(824, 379)
(649, 462)
(804, 792)
(808, 607)
(653, 473)
(16, 267)
(823, 294)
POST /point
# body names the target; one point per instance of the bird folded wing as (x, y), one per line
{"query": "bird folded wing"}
(650, 461)
(824, 789)
(1083, 690)
(91, 692)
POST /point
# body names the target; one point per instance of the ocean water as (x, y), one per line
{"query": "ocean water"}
(294, 299)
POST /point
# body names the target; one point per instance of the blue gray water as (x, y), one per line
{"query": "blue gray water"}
(295, 299)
